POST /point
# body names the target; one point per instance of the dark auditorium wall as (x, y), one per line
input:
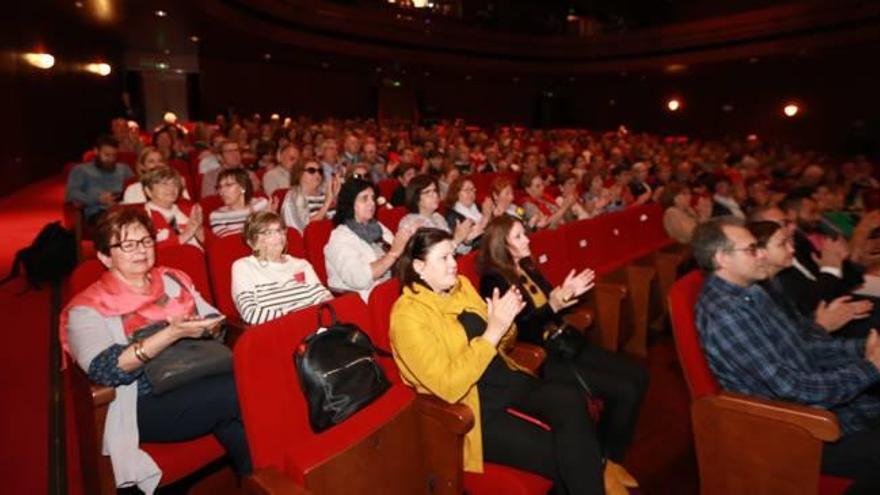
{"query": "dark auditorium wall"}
(50, 115)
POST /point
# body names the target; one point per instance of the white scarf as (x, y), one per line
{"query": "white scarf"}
(470, 212)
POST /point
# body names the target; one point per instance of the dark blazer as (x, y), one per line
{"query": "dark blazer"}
(530, 322)
(826, 287)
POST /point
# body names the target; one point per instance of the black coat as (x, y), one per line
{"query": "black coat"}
(531, 321)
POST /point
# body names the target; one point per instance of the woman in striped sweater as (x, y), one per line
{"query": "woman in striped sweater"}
(269, 283)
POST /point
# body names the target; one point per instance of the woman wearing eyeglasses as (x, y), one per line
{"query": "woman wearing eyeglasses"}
(307, 200)
(505, 262)
(269, 283)
(235, 189)
(98, 329)
(422, 201)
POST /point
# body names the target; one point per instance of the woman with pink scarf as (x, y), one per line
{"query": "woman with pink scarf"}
(98, 330)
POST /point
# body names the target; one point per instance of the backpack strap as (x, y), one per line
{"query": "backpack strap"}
(332, 312)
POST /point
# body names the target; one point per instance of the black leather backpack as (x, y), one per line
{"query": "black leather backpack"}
(338, 371)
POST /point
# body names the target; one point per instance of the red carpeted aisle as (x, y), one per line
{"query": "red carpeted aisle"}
(24, 356)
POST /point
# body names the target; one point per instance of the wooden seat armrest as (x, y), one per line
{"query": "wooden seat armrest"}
(270, 481)
(820, 423)
(529, 356)
(102, 395)
(457, 418)
(580, 317)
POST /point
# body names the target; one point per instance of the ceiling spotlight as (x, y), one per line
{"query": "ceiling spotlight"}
(675, 68)
(727, 107)
(99, 68)
(161, 13)
(754, 60)
(40, 60)
(427, 74)
(194, 38)
(167, 51)
(267, 56)
(467, 78)
(162, 66)
(78, 5)
(791, 109)
(673, 104)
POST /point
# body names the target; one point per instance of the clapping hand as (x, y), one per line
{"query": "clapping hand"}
(502, 310)
(574, 286)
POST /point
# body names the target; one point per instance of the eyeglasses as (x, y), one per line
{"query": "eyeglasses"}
(271, 232)
(313, 170)
(131, 245)
(751, 249)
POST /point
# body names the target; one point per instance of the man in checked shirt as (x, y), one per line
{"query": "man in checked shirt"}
(754, 348)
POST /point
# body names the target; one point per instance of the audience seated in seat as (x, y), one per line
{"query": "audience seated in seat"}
(235, 190)
(269, 283)
(96, 331)
(148, 159)
(230, 158)
(680, 218)
(175, 223)
(278, 177)
(361, 251)
(309, 197)
(754, 347)
(448, 343)
(422, 202)
(98, 185)
(505, 262)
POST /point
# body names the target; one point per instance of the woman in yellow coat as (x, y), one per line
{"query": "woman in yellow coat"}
(450, 343)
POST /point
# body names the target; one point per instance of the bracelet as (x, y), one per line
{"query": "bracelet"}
(140, 353)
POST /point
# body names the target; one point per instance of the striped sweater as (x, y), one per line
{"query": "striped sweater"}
(265, 290)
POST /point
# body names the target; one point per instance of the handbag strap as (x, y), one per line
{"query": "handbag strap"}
(332, 312)
(580, 379)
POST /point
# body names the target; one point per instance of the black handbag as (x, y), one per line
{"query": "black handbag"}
(338, 371)
(564, 341)
(184, 361)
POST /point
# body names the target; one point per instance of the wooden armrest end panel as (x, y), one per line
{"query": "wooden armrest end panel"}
(102, 395)
(820, 423)
(529, 356)
(457, 418)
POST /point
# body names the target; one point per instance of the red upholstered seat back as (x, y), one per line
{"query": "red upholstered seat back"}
(222, 253)
(387, 187)
(273, 406)
(209, 204)
(315, 237)
(582, 245)
(190, 260)
(550, 255)
(467, 266)
(85, 273)
(614, 239)
(654, 232)
(278, 195)
(682, 299)
(382, 298)
(391, 217)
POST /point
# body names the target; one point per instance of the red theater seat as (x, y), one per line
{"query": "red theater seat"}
(315, 237)
(746, 444)
(391, 217)
(391, 446)
(89, 404)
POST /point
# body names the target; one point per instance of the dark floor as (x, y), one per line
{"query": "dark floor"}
(662, 456)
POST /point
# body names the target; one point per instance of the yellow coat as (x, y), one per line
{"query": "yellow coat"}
(434, 355)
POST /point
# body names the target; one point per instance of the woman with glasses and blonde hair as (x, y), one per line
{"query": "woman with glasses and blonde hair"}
(150, 158)
(270, 283)
(99, 329)
(307, 200)
(236, 190)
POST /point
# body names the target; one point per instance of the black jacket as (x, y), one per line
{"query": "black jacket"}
(530, 322)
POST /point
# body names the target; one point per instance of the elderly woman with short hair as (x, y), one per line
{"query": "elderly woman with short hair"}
(271, 283)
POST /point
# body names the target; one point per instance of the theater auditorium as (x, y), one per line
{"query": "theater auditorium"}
(586, 247)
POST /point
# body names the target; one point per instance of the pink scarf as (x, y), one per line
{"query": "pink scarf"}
(110, 296)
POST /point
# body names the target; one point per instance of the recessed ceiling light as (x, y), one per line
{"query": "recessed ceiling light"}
(194, 38)
(267, 56)
(161, 13)
(167, 51)
(78, 5)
